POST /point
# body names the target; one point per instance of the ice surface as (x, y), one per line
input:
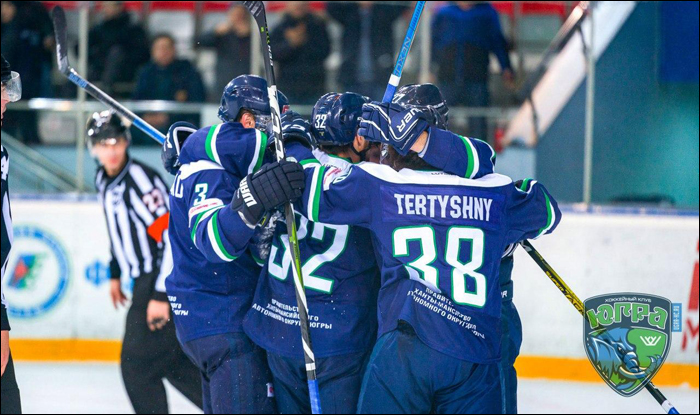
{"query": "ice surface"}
(98, 388)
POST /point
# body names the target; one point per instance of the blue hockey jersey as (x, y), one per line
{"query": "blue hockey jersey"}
(341, 279)
(340, 270)
(214, 275)
(439, 240)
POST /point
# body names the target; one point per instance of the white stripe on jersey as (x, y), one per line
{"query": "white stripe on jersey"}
(407, 176)
(117, 245)
(140, 178)
(7, 220)
(312, 192)
(161, 186)
(143, 244)
(166, 265)
(214, 243)
(125, 226)
(141, 208)
(189, 169)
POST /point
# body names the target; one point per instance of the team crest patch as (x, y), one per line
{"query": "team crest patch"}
(627, 338)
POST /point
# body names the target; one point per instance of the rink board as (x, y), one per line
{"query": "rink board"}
(57, 284)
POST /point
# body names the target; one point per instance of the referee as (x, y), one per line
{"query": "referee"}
(9, 396)
(135, 203)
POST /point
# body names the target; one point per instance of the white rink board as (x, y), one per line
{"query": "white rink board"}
(598, 254)
(84, 310)
(594, 253)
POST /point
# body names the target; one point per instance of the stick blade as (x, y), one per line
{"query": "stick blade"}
(59, 27)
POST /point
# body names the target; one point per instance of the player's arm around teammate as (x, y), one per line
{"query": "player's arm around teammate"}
(382, 199)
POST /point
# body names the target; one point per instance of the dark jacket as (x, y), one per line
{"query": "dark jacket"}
(463, 40)
(117, 42)
(232, 57)
(23, 46)
(301, 72)
(156, 83)
(384, 56)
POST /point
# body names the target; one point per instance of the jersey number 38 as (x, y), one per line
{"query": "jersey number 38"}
(422, 266)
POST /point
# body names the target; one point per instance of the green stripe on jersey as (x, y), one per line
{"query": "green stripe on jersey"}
(198, 220)
(320, 173)
(550, 216)
(524, 184)
(214, 223)
(209, 145)
(310, 162)
(262, 143)
(471, 165)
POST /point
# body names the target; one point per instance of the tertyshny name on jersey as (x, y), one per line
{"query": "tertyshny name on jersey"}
(444, 206)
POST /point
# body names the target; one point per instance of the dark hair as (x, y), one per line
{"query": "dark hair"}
(410, 161)
(335, 150)
(163, 35)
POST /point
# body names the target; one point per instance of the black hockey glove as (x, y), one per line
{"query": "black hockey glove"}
(271, 187)
(177, 134)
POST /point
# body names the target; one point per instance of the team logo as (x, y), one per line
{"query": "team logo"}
(37, 274)
(627, 338)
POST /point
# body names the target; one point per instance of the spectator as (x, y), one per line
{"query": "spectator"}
(27, 42)
(300, 43)
(169, 79)
(231, 39)
(368, 53)
(464, 34)
(117, 47)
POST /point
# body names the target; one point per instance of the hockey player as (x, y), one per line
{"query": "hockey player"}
(180, 131)
(136, 209)
(11, 404)
(214, 215)
(340, 275)
(340, 272)
(427, 98)
(439, 240)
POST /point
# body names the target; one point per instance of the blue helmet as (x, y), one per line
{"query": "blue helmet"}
(336, 117)
(248, 92)
(244, 92)
(427, 98)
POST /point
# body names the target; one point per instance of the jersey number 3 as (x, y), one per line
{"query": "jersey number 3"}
(425, 235)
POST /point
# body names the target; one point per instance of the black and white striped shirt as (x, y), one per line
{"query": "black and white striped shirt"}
(136, 206)
(6, 228)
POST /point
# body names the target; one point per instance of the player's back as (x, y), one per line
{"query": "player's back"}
(341, 279)
(439, 239)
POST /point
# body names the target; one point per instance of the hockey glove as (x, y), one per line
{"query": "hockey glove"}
(271, 187)
(177, 134)
(295, 128)
(392, 124)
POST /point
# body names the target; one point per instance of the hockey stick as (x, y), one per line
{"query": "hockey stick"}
(578, 304)
(59, 26)
(405, 47)
(257, 9)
